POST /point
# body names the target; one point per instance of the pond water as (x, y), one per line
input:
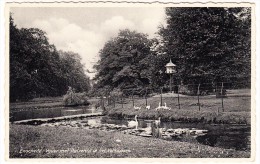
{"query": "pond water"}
(218, 135)
(48, 112)
(228, 136)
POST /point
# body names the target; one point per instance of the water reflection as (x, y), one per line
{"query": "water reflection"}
(156, 130)
(49, 112)
(225, 136)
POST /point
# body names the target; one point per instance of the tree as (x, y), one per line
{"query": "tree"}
(208, 44)
(73, 71)
(120, 65)
(37, 68)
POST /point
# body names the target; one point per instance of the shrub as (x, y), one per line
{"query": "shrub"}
(74, 99)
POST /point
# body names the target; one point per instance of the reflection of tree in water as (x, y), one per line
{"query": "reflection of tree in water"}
(238, 142)
(156, 130)
(210, 140)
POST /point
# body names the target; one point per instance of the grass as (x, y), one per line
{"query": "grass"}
(40, 103)
(237, 109)
(60, 142)
(52, 142)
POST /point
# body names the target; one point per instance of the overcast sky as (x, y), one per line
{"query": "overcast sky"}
(85, 30)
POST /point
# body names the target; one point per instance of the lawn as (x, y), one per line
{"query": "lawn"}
(237, 108)
(63, 142)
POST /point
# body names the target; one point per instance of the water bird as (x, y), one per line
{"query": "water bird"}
(137, 108)
(158, 122)
(148, 107)
(118, 140)
(159, 107)
(133, 123)
(165, 107)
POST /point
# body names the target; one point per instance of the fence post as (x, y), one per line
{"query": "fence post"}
(222, 101)
(161, 96)
(216, 89)
(114, 101)
(133, 98)
(32, 114)
(198, 93)
(102, 103)
(146, 96)
(122, 101)
(107, 99)
(179, 97)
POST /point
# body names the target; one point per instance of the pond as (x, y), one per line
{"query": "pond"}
(49, 112)
(226, 136)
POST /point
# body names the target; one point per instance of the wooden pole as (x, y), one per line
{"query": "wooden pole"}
(122, 101)
(146, 96)
(222, 101)
(102, 103)
(198, 93)
(114, 101)
(133, 98)
(32, 113)
(170, 83)
(161, 96)
(179, 97)
(216, 90)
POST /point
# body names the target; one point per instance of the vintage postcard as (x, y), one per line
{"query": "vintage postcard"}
(130, 81)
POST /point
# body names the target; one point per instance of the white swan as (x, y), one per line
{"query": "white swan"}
(158, 122)
(159, 107)
(165, 106)
(133, 123)
(137, 108)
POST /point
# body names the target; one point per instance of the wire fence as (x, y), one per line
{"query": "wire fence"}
(221, 97)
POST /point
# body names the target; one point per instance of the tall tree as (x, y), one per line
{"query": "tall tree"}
(37, 68)
(73, 71)
(120, 61)
(208, 44)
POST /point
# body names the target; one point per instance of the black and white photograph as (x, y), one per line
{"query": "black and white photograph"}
(130, 81)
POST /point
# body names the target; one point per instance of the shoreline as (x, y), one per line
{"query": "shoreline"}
(184, 116)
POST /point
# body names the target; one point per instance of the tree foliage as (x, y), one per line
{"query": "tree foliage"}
(208, 44)
(73, 71)
(122, 62)
(38, 69)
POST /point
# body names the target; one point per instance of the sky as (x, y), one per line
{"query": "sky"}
(85, 30)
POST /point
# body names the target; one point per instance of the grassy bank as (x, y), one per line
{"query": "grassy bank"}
(236, 109)
(52, 142)
(45, 108)
(42, 103)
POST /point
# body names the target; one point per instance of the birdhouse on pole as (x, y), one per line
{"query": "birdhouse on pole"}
(170, 67)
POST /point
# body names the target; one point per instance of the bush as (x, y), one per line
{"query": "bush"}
(74, 99)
